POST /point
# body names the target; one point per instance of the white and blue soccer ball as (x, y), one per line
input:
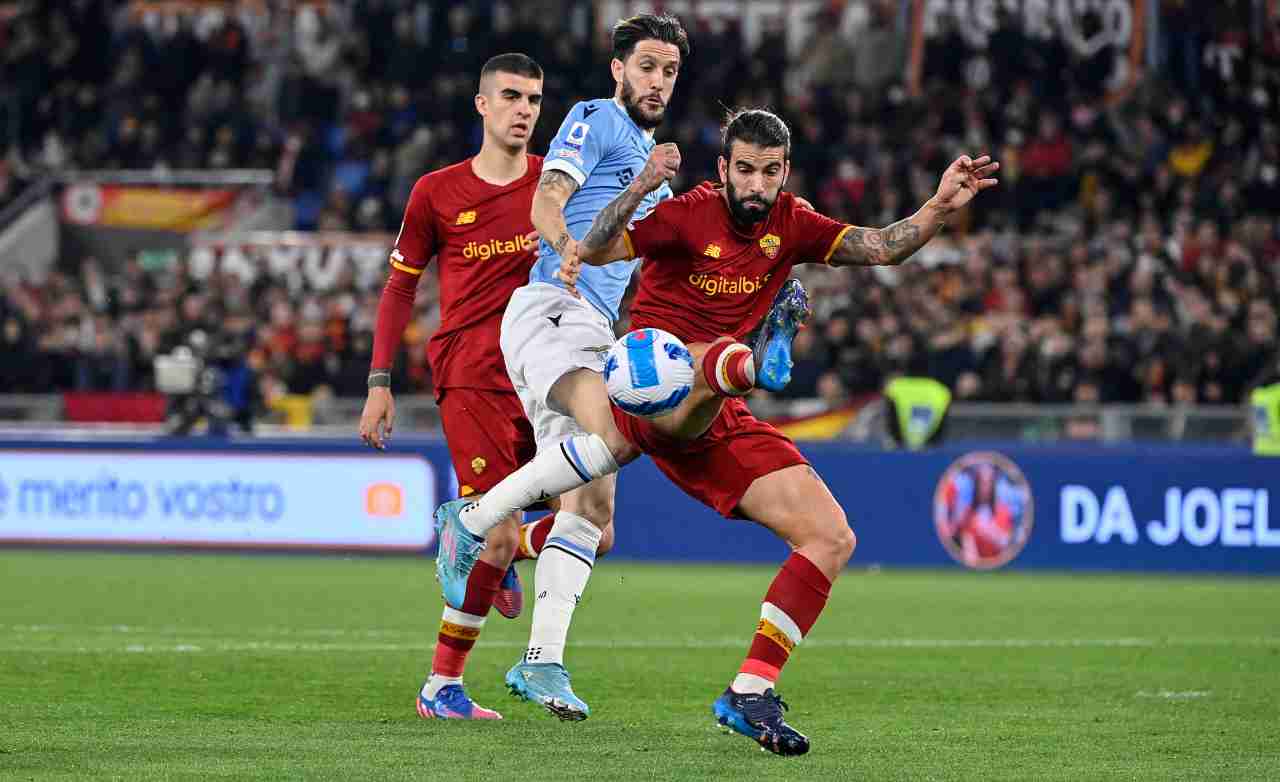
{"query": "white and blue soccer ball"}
(648, 373)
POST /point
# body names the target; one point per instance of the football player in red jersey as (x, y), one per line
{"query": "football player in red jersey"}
(717, 260)
(474, 218)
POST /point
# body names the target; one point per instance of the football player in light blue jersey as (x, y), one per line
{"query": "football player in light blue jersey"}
(554, 342)
(601, 147)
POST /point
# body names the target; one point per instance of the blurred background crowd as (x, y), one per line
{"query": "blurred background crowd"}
(1130, 254)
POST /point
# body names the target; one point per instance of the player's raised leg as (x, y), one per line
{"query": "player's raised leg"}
(772, 351)
(443, 695)
(798, 507)
(579, 459)
(726, 368)
(729, 368)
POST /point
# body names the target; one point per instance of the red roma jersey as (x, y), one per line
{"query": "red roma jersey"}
(704, 277)
(476, 232)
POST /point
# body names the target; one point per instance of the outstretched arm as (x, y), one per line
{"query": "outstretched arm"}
(892, 245)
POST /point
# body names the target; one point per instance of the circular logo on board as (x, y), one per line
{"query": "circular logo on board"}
(982, 510)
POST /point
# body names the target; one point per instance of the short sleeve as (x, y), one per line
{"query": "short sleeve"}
(582, 141)
(416, 243)
(658, 233)
(819, 235)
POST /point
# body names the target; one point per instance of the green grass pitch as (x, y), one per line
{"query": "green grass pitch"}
(163, 666)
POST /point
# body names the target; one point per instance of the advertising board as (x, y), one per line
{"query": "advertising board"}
(184, 498)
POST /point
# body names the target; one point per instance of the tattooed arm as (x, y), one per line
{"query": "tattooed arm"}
(605, 241)
(962, 180)
(554, 190)
(888, 246)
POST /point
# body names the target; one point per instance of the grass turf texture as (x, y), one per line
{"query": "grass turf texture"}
(145, 666)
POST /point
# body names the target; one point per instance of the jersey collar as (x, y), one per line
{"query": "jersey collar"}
(617, 104)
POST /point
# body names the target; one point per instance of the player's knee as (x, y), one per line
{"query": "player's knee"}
(622, 449)
(597, 510)
(835, 536)
(606, 542)
(843, 540)
(594, 506)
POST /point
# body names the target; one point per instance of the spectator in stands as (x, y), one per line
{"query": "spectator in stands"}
(1134, 255)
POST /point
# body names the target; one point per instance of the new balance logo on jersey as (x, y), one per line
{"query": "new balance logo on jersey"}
(466, 218)
(486, 250)
(713, 250)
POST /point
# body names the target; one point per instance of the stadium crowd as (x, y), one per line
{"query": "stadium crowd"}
(1130, 254)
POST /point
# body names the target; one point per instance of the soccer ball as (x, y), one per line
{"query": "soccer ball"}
(648, 373)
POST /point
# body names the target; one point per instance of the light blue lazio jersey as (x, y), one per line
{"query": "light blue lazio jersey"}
(603, 150)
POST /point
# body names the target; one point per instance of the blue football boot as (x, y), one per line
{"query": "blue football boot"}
(759, 717)
(547, 684)
(457, 553)
(772, 352)
(510, 598)
(452, 703)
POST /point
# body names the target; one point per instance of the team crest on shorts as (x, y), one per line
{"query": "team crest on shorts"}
(983, 510)
(478, 464)
(770, 243)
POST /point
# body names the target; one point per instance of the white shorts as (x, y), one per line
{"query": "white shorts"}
(547, 333)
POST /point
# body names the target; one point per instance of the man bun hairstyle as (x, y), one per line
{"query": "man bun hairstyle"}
(512, 62)
(755, 126)
(644, 27)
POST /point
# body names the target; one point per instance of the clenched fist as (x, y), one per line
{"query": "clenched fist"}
(662, 165)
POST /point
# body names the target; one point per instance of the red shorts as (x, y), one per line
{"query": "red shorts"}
(487, 434)
(718, 467)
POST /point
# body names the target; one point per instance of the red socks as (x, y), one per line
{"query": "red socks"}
(729, 368)
(459, 629)
(533, 536)
(791, 606)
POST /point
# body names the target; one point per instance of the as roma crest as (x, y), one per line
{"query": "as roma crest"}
(770, 243)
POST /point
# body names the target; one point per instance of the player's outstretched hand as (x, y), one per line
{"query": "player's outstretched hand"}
(378, 416)
(964, 179)
(662, 165)
(570, 268)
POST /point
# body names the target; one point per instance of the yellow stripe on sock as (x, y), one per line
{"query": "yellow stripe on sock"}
(458, 631)
(526, 543)
(770, 630)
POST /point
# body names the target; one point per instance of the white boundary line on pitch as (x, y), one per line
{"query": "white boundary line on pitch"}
(250, 635)
(1174, 696)
(214, 645)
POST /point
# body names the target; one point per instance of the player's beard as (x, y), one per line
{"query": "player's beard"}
(741, 214)
(631, 101)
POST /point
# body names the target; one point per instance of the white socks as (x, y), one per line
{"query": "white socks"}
(436, 682)
(575, 462)
(562, 572)
(749, 683)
